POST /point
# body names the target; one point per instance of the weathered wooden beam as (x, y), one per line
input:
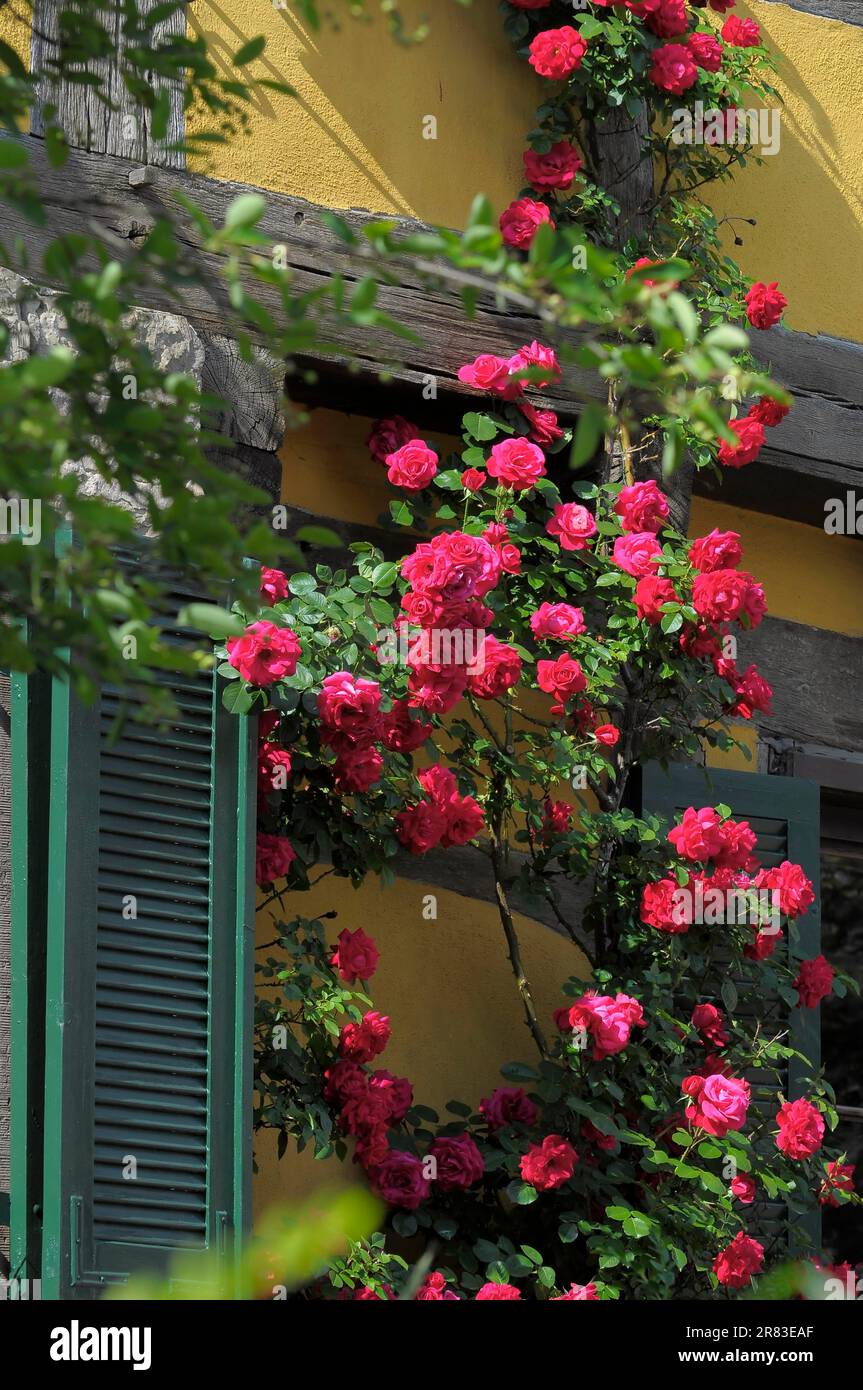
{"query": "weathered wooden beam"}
(818, 439)
(93, 193)
(849, 11)
(816, 677)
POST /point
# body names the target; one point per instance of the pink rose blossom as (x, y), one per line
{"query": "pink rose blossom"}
(642, 507)
(413, 466)
(520, 222)
(637, 553)
(517, 463)
(557, 621)
(719, 1103)
(572, 524)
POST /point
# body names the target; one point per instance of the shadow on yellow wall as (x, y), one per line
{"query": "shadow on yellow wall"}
(808, 198)
(355, 133)
(449, 991)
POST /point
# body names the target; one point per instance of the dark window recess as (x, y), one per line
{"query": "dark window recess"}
(842, 1019)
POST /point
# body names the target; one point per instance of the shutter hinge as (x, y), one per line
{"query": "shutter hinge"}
(79, 1277)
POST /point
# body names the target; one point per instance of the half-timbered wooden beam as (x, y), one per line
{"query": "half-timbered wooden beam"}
(849, 11)
(819, 442)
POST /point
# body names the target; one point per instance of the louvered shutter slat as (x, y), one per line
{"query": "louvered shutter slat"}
(148, 1015)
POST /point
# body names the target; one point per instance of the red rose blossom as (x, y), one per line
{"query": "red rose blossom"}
(750, 441)
(274, 855)
(706, 50)
(387, 436)
(508, 1105)
(555, 53)
(360, 1042)
(741, 33)
(765, 304)
(355, 957)
(669, 19)
(743, 1188)
(458, 1160)
(399, 1180)
(801, 1129)
(735, 1265)
(274, 585)
(556, 168)
(550, 1164)
(562, 678)
(651, 592)
(718, 551)
(473, 479)
(499, 1293)
(814, 981)
(673, 68)
(769, 412)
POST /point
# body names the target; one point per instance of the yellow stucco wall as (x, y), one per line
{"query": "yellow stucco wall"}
(352, 137)
(808, 198)
(808, 576)
(449, 991)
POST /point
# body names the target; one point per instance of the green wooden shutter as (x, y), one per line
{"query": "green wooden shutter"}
(148, 1017)
(31, 721)
(784, 812)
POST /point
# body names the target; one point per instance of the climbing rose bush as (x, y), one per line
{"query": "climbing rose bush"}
(546, 648)
(497, 679)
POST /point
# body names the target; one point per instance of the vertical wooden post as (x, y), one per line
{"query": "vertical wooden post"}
(622, 162)
(121, 128)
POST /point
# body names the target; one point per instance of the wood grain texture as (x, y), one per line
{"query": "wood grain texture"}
(816, 677)
(122, 127)
(826, 374)
(820, 437)
(849, 11)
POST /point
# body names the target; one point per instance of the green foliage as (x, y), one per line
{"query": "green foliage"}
(292, 1246)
